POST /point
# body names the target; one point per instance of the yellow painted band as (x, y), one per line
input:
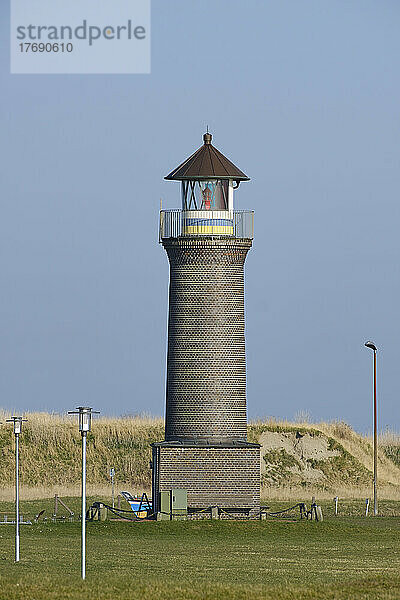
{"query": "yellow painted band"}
(208, 229)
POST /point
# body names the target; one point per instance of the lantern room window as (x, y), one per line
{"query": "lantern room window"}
(205, 195)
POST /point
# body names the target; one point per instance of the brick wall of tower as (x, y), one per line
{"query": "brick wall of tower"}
(225, 477)
(206, 365)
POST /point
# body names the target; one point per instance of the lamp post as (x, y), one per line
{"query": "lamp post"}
(85, 422)
(372, 346)
(17, 424)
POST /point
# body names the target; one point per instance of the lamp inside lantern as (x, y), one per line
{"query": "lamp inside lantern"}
(85, 418)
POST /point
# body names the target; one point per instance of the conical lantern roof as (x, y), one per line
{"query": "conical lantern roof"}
(207, 163)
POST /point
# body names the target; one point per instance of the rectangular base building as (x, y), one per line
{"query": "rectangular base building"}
(226, 476)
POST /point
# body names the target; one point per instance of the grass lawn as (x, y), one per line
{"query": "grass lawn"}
(342, 558)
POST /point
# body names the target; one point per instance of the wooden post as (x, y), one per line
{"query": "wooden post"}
(336, 499)
(57, 501)
(313, 509)
(214, 512)
(119, 502)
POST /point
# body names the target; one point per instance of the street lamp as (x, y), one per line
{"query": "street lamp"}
(372, 346)
(17, 424)
(85, 422)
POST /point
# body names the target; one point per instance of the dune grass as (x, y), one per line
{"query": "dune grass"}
(390, 442)
(349, 475)
(50, 457)
(51, 448)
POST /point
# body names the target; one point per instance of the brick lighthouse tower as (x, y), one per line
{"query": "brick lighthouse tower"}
(205, 449)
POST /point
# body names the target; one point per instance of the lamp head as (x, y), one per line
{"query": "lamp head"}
(17, 423)
(85, 417)
(371, 345)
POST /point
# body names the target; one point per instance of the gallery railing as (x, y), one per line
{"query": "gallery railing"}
(176, 223)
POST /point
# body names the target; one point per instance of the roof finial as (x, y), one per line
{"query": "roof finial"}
(207, 137)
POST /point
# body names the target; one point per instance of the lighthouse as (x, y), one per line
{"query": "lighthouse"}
(205, 450)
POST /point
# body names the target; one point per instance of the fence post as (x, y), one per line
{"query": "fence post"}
(366, 506)
(214, 512)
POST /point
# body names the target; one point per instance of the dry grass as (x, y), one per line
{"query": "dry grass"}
(361, 447)
(50, 456)
(51, 447)
(390, 442)
(294, 493)
(357, 445)
(7, 494)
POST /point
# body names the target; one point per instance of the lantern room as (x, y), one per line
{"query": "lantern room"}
(207, 179)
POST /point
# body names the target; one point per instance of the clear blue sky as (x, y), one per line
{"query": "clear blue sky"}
(303, 96)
